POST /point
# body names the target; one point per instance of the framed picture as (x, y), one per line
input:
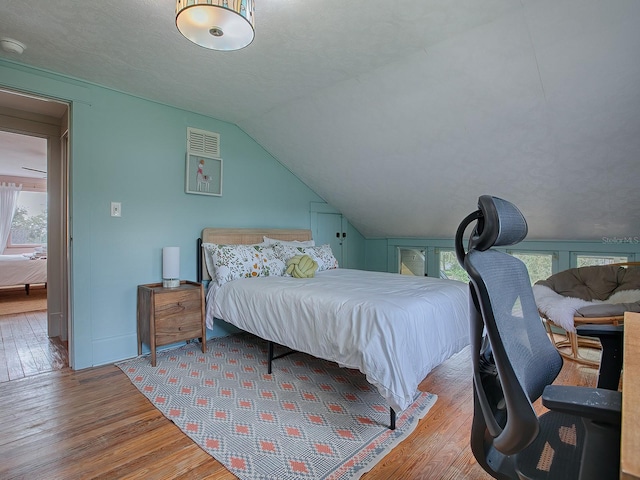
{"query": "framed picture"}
(203, 175)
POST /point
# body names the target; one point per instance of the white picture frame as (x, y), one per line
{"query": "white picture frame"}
(203, 175)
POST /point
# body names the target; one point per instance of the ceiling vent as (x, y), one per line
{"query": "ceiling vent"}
(201, 142)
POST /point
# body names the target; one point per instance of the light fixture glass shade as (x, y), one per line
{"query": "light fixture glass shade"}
(216, 24)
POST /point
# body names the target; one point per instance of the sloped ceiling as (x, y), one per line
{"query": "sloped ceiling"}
(398, 113)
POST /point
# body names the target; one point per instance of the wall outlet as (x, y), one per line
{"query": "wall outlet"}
(116, 209)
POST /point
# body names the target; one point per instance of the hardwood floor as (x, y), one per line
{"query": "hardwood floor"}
(25, 348)
(94, 423)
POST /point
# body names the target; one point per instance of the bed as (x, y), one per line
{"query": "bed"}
(393, 328)
(22, 270)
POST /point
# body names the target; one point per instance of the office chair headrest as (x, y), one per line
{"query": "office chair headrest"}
(500, 224)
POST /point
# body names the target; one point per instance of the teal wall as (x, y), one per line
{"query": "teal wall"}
(354, 247)
(129, 150)
(356, 252)
(376, 255)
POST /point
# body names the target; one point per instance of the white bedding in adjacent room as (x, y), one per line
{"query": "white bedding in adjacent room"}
(394, 328)
(20, 270)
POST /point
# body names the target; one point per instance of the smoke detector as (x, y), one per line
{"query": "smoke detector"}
(10, 45)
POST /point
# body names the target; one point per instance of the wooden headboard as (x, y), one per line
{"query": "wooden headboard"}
(243, 236)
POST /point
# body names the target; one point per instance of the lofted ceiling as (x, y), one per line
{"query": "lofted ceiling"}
(398, 113)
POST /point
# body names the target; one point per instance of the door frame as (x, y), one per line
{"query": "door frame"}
(55, 131)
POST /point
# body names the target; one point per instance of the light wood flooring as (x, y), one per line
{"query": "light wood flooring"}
(94, 423)
(25, 348)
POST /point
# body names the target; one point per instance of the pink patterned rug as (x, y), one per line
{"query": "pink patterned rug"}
(310, 419)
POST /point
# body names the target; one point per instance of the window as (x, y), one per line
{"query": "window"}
(539, 265)
(29, 225)
(412, 261)
(602, 259)
(450, 268)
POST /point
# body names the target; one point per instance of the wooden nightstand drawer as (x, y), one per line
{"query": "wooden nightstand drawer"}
(169, 315)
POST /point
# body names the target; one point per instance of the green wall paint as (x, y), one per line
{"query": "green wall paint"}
(376, 255)
(130, 150)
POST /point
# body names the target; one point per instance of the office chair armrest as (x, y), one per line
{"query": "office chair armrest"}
(594, 403)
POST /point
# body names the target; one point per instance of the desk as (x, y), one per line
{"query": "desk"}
(630, 447)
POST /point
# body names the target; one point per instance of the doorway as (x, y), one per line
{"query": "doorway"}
(33, 116)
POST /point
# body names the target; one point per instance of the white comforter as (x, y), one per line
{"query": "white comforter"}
(20, 270)
(393, 328)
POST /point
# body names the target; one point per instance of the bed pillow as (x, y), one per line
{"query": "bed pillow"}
(321, 254)
(230, 262)
(301, 266)
(292, 243)
(272, 264)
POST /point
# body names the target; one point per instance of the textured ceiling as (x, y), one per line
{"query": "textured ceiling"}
(399, 113)
(23, 155)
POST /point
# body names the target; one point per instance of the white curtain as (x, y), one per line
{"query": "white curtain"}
(8, 202)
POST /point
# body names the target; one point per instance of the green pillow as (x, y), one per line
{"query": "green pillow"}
(301, 266)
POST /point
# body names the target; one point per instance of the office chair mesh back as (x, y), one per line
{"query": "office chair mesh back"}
(535, 361)
(507, 297)
(508, 439)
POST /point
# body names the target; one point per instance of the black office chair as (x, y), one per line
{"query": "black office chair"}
(514, 364)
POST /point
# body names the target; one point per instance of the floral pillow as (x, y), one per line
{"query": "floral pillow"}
(292, 243)
(230, 262)
(272, 264)
(321, 254)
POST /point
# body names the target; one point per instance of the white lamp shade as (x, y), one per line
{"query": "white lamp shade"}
(216, 24)
(171, 263)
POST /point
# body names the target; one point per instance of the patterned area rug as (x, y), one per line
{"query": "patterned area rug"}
(310, 419)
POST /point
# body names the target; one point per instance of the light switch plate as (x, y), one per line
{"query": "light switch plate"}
(116, 209)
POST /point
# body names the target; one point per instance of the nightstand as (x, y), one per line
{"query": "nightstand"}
(169, 315)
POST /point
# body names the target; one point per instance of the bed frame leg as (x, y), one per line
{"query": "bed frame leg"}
(199, 261)
(270, 360)
(392, 425)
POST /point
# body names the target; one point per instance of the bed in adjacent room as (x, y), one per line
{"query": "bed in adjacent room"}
(22, 270)
(393, 328)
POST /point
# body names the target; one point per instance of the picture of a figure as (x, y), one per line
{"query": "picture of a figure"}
(204, 175)
(202, 179)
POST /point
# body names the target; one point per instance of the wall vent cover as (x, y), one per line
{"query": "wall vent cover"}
(201, 142)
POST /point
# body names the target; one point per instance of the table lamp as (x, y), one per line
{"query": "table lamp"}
(171, 267)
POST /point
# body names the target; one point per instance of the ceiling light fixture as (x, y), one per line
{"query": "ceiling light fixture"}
(216, 24)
